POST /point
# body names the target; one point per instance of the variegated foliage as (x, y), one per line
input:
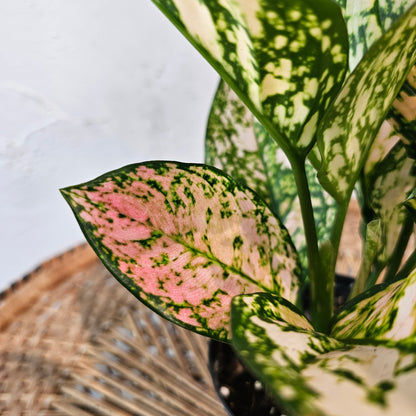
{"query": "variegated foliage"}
(240, 146)
(189, 241)
(386, 315)
(403, 114)
(398, 129)
(390, 173)
(367, 20)
(365, 366)
(185, 239)
(285, 59)
(350, 125)
(386, 188)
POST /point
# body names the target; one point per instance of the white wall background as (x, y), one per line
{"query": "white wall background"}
(86, 86)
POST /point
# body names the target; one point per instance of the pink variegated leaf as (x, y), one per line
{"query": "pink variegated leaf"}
(185, 239)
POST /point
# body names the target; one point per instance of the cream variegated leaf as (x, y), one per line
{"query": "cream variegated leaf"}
(274, 340)
(309, 373)
(403, 114)
(218, 30)
(386, 139)
(387, 185)
(185, 239)
(390, 172)
(286, 60)
(364, 380)
(240, 146)
(385, 314)
(351, 124)
(367, 20)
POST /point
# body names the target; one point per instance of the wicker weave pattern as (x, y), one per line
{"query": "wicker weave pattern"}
(84, 346)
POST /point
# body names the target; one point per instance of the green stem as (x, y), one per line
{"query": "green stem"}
(372, 242)
(339, 225)
(361, 280)
(408, 267)
(321, 291)
(398, 253)
(374, 275)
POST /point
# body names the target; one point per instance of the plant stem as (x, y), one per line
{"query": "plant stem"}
(372, 243)
(361, 279)
(339, 225)
(320, 283)
(398, 253)
(374, 275)
(407, 268)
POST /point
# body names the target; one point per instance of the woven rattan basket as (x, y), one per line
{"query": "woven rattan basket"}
(75, 342)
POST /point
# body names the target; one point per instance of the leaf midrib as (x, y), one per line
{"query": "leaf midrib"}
(208, 256)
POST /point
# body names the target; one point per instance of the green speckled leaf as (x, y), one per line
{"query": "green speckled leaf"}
(240, 146)
(386, 313)
(351, 124)
(285, 60)
(403, 114)
(301, 48)
(309, 373)
(367, 20)
(231, 144)
(363, 25)
(390, 10)
(185, 239)
(387, 186)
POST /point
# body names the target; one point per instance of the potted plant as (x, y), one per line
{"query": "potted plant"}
(316, 103)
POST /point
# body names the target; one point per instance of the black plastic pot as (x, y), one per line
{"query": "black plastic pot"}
(240, 393)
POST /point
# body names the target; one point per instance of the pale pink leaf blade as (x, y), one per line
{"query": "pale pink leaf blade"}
(185, 239)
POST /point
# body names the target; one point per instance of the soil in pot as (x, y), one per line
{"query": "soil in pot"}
(242, 394)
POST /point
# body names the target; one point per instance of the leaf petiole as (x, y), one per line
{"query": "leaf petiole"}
(319, 276)
(399, 250)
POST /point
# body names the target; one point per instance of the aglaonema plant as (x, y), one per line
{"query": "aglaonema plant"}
(316, 102)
